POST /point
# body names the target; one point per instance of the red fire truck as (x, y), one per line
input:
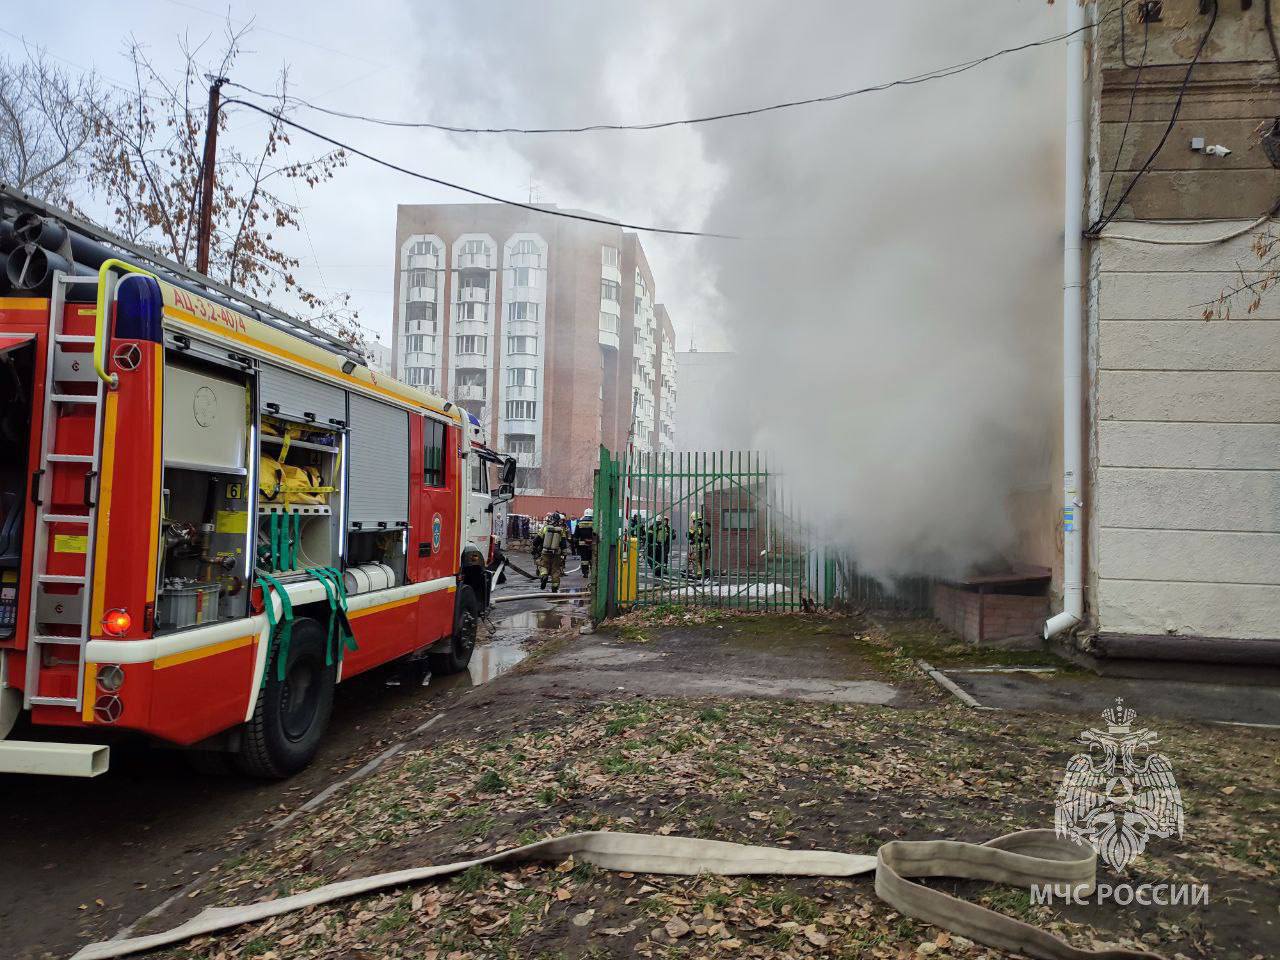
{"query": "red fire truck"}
(211, 514)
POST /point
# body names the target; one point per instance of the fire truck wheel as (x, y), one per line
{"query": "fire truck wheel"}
(291, 715)
(455, 657)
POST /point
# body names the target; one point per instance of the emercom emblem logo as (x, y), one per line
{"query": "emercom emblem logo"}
(1119, 794)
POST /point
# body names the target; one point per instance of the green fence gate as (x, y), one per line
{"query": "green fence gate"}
(760, 550)
(754, 551)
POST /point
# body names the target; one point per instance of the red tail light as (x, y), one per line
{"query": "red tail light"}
(117, 622)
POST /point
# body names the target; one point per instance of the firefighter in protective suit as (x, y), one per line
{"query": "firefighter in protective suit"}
(549, 549)
(584, 540)
(699, 546)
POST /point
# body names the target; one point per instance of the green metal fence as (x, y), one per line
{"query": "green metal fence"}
(759, 550)
(754, 552)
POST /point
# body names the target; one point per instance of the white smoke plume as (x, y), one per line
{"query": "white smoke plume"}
(894, 307)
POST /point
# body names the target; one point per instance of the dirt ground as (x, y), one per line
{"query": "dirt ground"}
(795, 731)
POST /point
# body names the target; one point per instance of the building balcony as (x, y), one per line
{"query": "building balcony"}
(532, 294)
(423, 261)
(421, 295)
(419, 359)
(609, 338)
(466, 261)
(520, 392)
(527, 458)
(479, 326)
(469, 391)
(610, 273)
(522, 328)
(473, 295)
(533, 260)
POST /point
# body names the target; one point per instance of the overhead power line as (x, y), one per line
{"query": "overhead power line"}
(564, 214)
(936, 74)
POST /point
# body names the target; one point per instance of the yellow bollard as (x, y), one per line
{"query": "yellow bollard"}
(629, 571)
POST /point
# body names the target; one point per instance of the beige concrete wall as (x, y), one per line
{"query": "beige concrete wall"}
(1186, 525)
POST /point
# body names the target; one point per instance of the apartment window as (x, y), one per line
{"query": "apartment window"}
(517, 444)
(522, 410)
(472, 344)
(473, 246)
(525, 247)
(737, 519)
(524, 277)
(471, 378)
(471, 311)
(610, 291)
(421, 248)
(522, 377)
(526, 345)
(422, 277)
(608, 322)
(416, 343)
(433, 453)
(609, 256)
(420, 376)
(475, 283)
(420, 312)
(522, 310)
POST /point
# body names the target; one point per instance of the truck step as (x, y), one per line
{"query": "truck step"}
(55, 701)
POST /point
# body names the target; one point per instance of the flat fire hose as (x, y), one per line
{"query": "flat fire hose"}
(1022, 859)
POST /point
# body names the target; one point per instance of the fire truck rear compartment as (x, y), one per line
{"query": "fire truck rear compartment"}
(16, 385)
(204, 525)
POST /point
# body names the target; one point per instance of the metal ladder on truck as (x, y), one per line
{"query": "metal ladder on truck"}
(54, 613)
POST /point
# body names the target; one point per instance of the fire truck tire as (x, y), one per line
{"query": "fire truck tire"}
(455, 657)
(290, 717)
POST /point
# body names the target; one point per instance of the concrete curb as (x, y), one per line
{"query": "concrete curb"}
(951, 687)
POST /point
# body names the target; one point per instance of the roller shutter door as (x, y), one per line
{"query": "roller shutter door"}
(378, 464)
(300, 398)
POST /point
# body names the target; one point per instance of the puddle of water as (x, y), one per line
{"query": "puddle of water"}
(536, 620)
(495, 658)
(506, 649)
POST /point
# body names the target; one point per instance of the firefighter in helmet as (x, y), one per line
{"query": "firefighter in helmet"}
(699, 546)
(584, 540)
(660, 546)
(549, 549)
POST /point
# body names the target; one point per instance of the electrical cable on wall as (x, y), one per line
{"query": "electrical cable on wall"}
(1133, 95)
(1096, 228)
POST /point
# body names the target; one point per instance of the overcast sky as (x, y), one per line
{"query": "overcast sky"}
(526, 63)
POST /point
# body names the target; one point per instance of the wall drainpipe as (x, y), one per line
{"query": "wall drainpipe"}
(1073, 331)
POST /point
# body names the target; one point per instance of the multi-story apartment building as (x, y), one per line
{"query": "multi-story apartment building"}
(546, 329)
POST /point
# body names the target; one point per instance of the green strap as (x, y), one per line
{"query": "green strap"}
(273, 527)
(339, 626)
(281, 631)
(345, 633)
(297, 540)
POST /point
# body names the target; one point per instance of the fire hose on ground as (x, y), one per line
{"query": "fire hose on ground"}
(1025, 859)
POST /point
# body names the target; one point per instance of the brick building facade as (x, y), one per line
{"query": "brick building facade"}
(545, 328)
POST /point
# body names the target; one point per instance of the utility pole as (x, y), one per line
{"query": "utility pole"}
(205, 228)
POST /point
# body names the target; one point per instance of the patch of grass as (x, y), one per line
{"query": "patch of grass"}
(256, 947)
(712, 715)
(491, 782)
(547, 796)
(788, 903)
(396, 918)
(473, 878)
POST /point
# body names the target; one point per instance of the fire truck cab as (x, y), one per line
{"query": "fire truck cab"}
(211, 514)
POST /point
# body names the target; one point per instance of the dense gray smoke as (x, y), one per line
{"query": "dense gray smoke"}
(894, 309)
